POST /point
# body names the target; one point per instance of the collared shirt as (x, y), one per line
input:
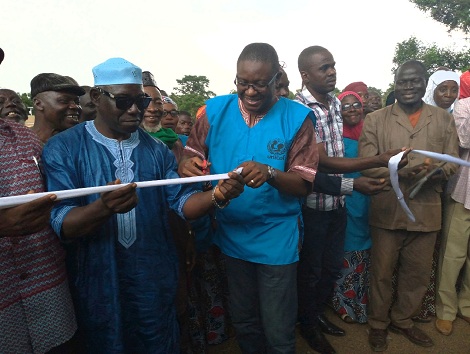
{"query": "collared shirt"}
(458, 184)
(36, 311)
(329, 129)
(246, 115)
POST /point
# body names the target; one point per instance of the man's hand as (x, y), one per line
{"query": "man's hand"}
(193, 166)
(27, 218)
(254, 173)
(229, 188)
(121, 200)
(367, 185)
(417, 171)
(385, 157)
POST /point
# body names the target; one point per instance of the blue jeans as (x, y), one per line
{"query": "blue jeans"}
(263, 305)
(321, 260)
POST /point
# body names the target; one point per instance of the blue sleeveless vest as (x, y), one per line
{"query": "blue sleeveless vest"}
(261, 225)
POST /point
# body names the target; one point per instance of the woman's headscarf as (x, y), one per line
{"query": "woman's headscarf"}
(167, 99)
(352, 132)
(357, 86)
(465, 85)
(436, 79)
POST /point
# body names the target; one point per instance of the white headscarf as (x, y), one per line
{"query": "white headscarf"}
(434, 80)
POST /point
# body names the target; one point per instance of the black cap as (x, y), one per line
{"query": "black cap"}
(148, 79)
(54, 82)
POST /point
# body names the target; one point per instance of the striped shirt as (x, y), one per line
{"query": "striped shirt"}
(329, 129)
(459, 183)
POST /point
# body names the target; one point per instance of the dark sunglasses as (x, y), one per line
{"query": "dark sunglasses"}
(173, 113)
(125, 102)
(349, 106)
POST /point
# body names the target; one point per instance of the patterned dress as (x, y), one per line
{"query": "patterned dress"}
(351, 292)
(36, 312)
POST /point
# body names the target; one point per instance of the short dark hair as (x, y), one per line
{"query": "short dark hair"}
(185, 113)
(304, 56)
(262, 52)
(416, 63)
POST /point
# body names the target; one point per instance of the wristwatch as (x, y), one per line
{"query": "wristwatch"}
(272, 173)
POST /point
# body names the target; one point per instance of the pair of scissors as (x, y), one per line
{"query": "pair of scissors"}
(415, 188)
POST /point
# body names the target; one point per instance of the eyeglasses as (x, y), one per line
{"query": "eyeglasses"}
(349, 106)
(126, 102)
(173, 113)
(257, 86)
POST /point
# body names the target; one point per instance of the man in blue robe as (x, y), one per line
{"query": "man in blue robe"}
(121, 256)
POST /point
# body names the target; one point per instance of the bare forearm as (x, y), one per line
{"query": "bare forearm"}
(291, 183)
(330, 164)
(198, 205)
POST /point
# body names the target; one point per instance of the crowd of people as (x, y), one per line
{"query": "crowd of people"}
(305, 218)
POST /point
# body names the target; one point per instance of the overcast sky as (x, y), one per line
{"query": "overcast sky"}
(204, 37)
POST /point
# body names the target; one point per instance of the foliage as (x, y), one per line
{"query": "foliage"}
(189, 102)
(191, 93)
(381, 93)
(26, 98)
(431, 56)
(455, 14)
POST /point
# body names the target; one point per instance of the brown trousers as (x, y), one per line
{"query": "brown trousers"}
(413, 252)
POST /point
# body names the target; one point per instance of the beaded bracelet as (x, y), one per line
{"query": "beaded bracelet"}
(219, 205)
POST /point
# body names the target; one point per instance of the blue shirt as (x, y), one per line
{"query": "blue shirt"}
(124, 276)
(261, 225)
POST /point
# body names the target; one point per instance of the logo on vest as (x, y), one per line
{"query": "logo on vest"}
(277, 148)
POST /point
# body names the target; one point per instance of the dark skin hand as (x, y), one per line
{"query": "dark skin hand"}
(82, 221)
(255, 174)
(192, 166)
(369, 186)
(285, 182)
(27, 218)
(199, 204)
(329, 164)
(419, 171)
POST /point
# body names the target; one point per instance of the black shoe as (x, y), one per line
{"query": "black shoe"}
(328, 327)
(316, 339)
(414, 334)
(378, 339)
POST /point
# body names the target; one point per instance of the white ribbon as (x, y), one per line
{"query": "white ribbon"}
(8, 202)
(443, 157)
(393, 168)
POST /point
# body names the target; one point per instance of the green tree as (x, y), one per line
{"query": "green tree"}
(432, 56)
(26, 98)
(381, 93)
(191, 93)
(455, 14)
